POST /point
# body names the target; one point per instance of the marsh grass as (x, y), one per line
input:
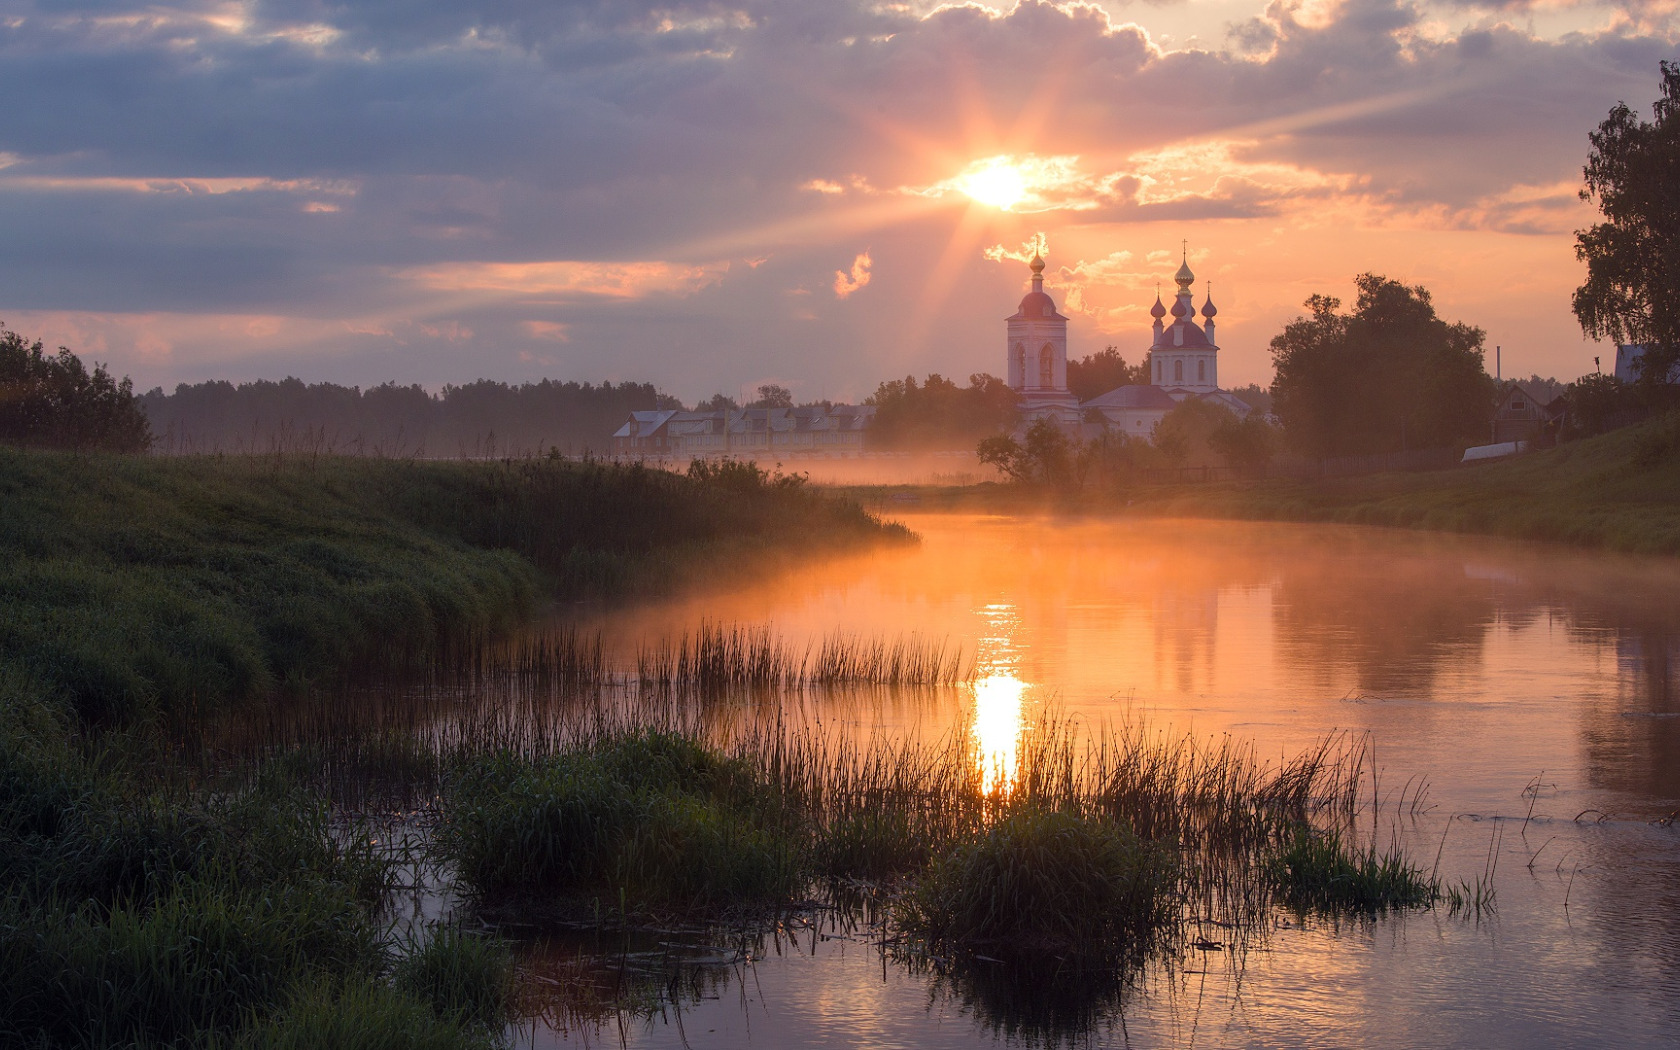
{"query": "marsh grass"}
(464, 977)
(720, 658)
(1317, 870)
(1046, 888)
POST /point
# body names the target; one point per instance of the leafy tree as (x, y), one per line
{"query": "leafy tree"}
(1098, 373)
(940, 414)
(1247, 445)
(1632, 291)
(717, 403)
(1185, 434)
(1599, 402)
(1390, 375)
(1044, 456)
(772, 396)
(1114, 459)
(53, 401)
(1255, 396)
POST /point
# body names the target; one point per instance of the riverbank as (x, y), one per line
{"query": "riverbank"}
(138, 586)
(1619, 491)
(153, 893)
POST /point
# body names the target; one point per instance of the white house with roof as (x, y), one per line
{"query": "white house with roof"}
(815, 431)
(1183, 363)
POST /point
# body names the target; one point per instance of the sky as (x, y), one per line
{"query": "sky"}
(817, 193)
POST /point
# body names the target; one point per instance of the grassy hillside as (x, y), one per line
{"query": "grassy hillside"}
(131, 584)
(1620, 491)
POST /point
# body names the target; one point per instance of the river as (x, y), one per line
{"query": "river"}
(1533, 688)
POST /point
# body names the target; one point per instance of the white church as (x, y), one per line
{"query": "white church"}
(1183, 362)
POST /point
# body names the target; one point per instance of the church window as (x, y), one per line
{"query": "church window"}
(1046, 367)
(1021, 361)
(1201, 371)
(1178, 371)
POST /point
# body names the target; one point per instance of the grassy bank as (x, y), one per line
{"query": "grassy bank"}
(1619, 491)
(151, 897)
(138, 585)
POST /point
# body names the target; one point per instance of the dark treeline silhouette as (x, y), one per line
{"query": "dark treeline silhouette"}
(53, 401)
(482, 418)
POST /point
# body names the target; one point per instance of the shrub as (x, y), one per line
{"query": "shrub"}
(1046, 885)
(643, 821)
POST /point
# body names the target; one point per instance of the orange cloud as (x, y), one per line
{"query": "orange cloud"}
(847, 283)
(568, 279)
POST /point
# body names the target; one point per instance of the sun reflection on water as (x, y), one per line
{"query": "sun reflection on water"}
(997, 729)
(999, 698)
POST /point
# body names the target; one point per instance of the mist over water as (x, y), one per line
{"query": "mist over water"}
(1532, 688)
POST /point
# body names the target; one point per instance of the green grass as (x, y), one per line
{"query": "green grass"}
(1047, 887)
(150, 897)
(647, 822)
(1619, 491)
(1315, 870)
(131, 586)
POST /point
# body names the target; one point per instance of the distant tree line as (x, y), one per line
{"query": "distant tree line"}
(53, 401)
(482, 418)
(939, 414)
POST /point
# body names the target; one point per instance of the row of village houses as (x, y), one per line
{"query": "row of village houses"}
(819, 431)
(841, 431)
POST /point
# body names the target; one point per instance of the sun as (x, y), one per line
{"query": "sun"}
(996, 182)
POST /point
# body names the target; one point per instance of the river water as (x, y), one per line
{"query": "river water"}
(1532, 688)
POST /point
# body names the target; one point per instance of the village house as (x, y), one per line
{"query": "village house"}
(1518, 415)
(809, 431)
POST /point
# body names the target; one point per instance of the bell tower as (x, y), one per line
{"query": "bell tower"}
(1037, 354)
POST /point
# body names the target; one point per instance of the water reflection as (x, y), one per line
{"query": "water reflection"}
(999, 719)
(1475, 663)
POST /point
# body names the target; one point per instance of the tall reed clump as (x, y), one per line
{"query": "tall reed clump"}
(721, 658)
(1048, 888)
(1316, 870)
(647, 822)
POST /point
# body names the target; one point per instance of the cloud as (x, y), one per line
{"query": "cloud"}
(363, 169)
(847, 283)
(569, 279)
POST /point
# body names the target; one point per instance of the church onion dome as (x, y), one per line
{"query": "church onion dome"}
(1179, 309)
(1157, 311)
(1184, 277)
(1208, 309)
(1037, 304)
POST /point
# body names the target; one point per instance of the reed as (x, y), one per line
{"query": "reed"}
(465, 978)
(735, 658)
(1317, 870)
(1046, 888)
